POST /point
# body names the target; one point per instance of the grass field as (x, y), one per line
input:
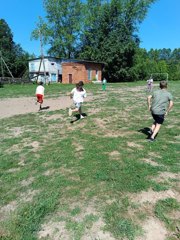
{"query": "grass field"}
(94, 179)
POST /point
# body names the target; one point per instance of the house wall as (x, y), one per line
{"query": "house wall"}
(53, 68)
(85, 72)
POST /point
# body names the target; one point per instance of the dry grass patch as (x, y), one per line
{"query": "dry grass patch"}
(7, 210)
(154, 229)
(96, 232)
(152, 197)
(28, 196)
(134, 145)
(151, 162)
(54, 231)
(27, 182)
(165, 176)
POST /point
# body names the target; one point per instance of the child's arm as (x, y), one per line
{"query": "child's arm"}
(149, 102)
(71, 93)
(85, 94)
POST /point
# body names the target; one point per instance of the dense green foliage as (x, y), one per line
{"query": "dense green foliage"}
(13, 55)
(102, 31)
(157, 61)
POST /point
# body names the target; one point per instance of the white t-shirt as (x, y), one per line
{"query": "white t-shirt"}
(40, 90)
(78, 96)
(150, 81)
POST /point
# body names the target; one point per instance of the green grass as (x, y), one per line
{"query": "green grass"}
(87, 172)
(163, 209)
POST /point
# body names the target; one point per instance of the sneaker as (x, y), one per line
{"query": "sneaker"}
(81, 117)
(151, 140)
(70, 112)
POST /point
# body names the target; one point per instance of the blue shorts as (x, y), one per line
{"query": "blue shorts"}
(158, 118)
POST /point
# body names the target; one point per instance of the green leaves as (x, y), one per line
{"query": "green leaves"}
(13, 55)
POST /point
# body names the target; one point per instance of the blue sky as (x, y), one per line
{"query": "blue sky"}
(160, 29)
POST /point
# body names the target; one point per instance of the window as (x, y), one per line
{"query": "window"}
(32, 67)
(89, 74)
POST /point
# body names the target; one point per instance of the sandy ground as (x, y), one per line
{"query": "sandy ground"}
(16, 106)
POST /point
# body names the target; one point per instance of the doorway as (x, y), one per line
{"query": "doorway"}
(70, 78)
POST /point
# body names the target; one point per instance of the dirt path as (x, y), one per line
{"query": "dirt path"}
(15, 106)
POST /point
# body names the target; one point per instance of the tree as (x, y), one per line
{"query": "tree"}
(97, 30)
(62, 27)
(13, 55)
(110, 36)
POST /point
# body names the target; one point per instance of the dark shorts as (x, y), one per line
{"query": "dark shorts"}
(158, 118)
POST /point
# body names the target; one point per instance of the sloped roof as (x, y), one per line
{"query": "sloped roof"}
(66, 60)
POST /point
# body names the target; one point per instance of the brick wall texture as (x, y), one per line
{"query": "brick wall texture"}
(75, 72)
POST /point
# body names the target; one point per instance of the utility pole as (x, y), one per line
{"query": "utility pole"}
(2, 70)
(2, 61)
(42, 56)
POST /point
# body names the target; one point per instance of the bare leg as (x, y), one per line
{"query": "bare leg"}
(156, 130)
(75, 110)
(40, 107)
(80, 112)
(153, 127)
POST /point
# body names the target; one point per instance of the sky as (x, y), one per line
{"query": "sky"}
(160, 29)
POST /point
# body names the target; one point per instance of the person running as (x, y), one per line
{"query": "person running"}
(149, 84)
(78, 94)
(40, 94)
(159, 103)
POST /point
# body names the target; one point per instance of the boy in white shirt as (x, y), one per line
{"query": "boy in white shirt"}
(40, 94)
(78, 94)
(149, 84)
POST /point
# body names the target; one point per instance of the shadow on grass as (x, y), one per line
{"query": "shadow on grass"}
(145, 131)
(76, 117)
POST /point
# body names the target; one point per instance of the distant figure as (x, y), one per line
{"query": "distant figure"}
(150, 84)
(161, 105)
(104, 82)
(78, 94)
(40, 94)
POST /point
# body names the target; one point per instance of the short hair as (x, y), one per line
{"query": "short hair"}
(163, 84)
(81, 83)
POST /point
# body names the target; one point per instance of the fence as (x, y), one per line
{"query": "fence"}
(9, 80)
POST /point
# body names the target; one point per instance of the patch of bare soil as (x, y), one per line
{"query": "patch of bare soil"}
(152, 197)
(96, 232)
(165, 176)
(114, 154)
(57, 230)
(134, 145)
(54, 231)
(78, 146)
(6, 210)
(24, 105)
(151, 162)
(153, 230)
(27, 182)
(28, 196)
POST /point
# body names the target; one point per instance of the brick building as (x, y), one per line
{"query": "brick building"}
(73, 72)
(65, 70)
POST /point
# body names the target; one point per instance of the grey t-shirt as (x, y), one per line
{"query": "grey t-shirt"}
(160, 101)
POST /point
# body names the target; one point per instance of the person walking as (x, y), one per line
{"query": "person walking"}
(40, 94)
(104, 82)
(159, 103)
